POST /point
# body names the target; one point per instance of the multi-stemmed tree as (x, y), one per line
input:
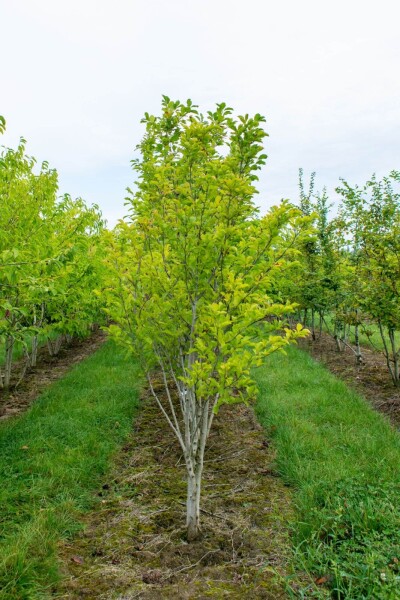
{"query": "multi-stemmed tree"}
(192, 271)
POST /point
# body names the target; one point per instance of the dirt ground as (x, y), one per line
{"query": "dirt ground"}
(48, 369)
(371, 379)
(134, 545)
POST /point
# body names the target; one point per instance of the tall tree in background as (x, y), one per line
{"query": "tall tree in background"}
(372, 216)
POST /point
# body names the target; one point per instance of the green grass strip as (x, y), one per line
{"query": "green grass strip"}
(343, 459)
(52, 458)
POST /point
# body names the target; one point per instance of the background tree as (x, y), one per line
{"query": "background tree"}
(372, 225)
(48, 259)
(314, 283)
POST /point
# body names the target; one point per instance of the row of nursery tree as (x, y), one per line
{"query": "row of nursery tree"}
(49, 263)
(189, 281)
(195, 284)
(348, 278)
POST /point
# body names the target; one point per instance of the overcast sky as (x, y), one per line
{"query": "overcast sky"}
(77, 76)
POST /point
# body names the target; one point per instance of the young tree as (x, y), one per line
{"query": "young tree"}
(48, 258)
(26, 200)
(192, 270)
(315, 284)
(373, 226)
(349, 225)
(71, 305)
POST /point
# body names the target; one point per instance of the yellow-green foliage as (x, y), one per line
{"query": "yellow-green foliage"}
(49, 254)
(193, 272)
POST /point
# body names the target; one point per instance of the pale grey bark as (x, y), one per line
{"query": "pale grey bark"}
(35, 340)
(359, 356)
(188, 415)
(392, 354)
(27, 364)
(8, 360)
(54, 346)
(34, 350)
(395, 358)
(337, 338)
(190, 418)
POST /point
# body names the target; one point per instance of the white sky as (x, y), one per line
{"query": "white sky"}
(77, 76)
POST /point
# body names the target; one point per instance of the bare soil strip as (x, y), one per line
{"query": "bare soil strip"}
(48, 369)
(371, 379)
(133, 544)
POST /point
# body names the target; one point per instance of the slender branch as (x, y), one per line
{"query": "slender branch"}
(171, 405)
(177, 433)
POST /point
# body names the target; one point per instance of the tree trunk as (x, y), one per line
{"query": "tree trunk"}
(58, 344)
(313, 324)
(359, 358)
(8, 360)
(50, 346)
(391, 368)
(336, 337)
(54, 346)
(35, 339)
(396, 358)
(195, 465)
(191, 430)
(35, 345)
(193, 506)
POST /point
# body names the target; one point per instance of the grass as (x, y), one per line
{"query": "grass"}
(341, 457)
(52, 460)
(343, 460)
